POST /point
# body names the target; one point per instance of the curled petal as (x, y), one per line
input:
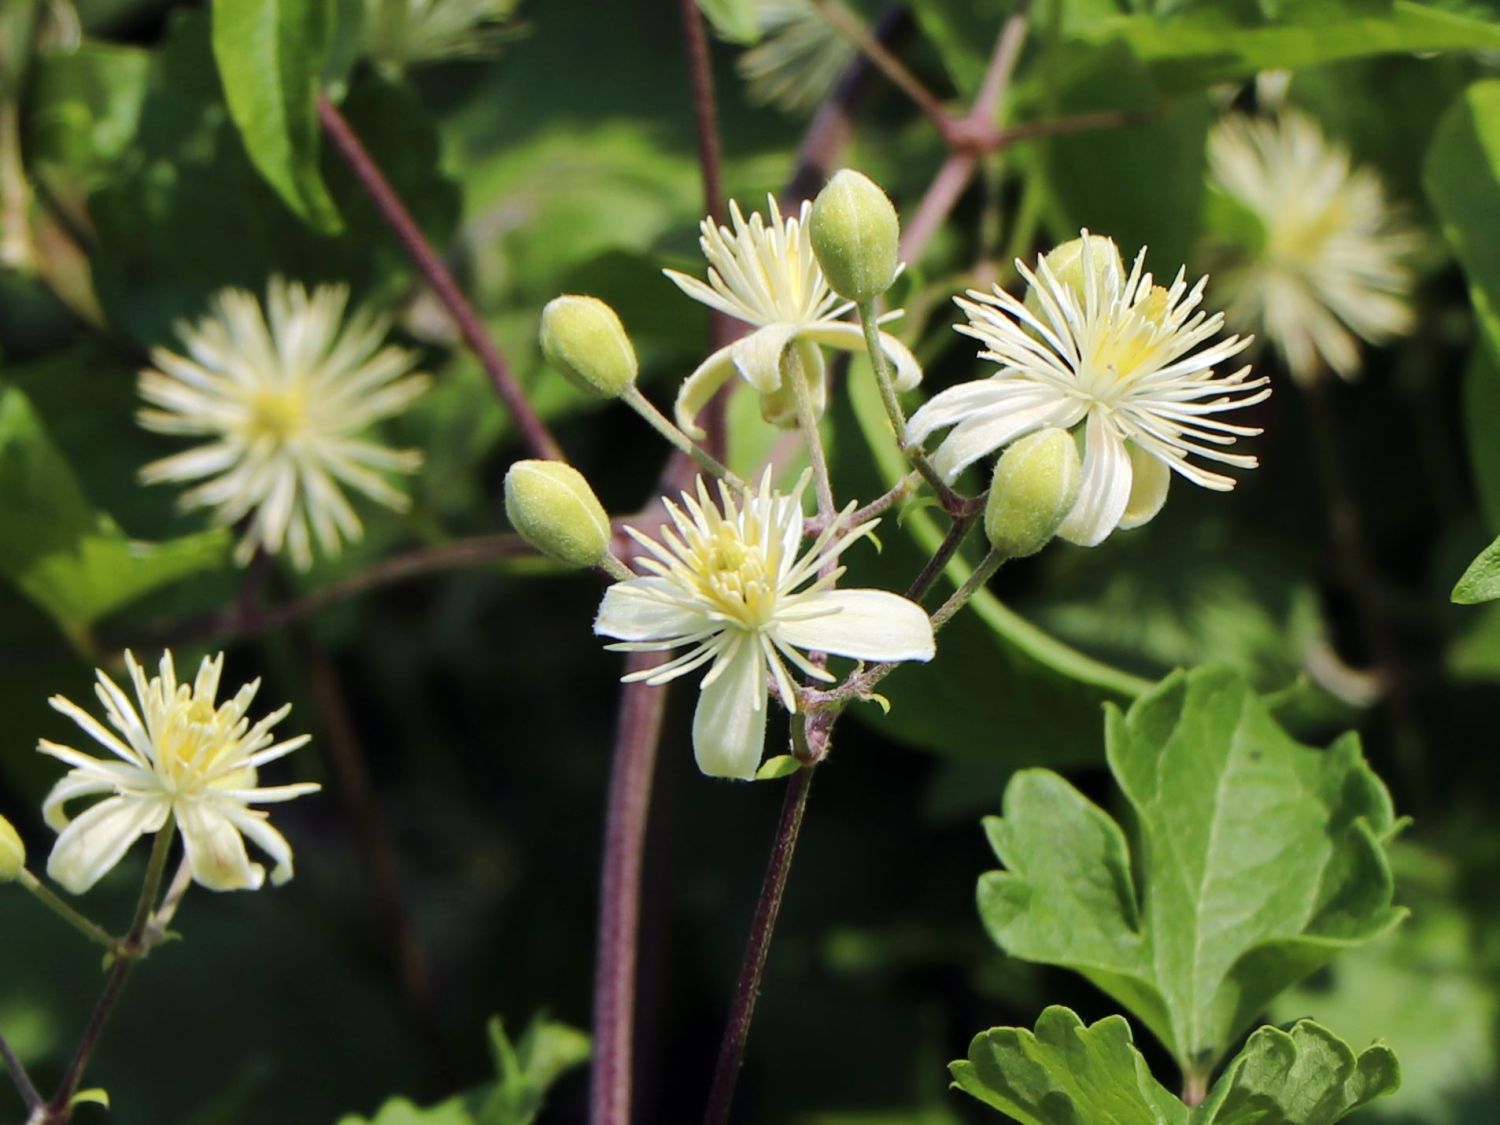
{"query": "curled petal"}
(1150, 477)
(850, 337)
(698, 388)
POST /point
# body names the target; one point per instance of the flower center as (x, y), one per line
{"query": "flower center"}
(1128, 341)
(277, 415)
(736, 578)
(193, 743)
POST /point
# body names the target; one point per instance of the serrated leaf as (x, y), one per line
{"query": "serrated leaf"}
(71, 560)
(1066, 1074)
(1304, 1076)
(270, 56)
(1251, 861)
(735, 20)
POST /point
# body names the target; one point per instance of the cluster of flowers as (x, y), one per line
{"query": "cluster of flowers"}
(1105, 384)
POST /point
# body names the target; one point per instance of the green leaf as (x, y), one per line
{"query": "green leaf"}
(735, 20)
(1252, 860)
(782, 765)
(400, 1111)
(1481, 582)
(528, 1068)
(1066, 1074)
(1462, 178)
(270, 54)
(1305, 1076)
(72, 561)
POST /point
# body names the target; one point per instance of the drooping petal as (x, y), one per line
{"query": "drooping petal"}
(988, 431)
(216, 850)
(1104, 490)
(1150, 477)
(698, 388)
(94, 842)
(757, 357)
(639, 610)
(849, 337)
(729, 726)
(864, 624)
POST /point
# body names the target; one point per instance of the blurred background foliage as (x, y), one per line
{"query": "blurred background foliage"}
(563, 161)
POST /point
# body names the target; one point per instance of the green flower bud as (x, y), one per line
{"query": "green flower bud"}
(1035, 487)
(12, 853)
(854, 232)
(1065, 263)
(584, 339)
(556, 511)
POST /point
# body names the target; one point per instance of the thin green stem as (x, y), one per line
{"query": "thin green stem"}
(972, 585)
(884, 379)
(616, 569)
(663, 425)
(796, 372)
(55, 903)
(18, 1075)
(60, 1109)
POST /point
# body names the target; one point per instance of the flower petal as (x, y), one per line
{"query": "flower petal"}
(272, 842)
(1148, 487)
(850, 337)
(757, 357)
(864, 624)
(1104, 490)
(698, 388)
(729, 726)
(985, 432)
(93, 843)
(216, 850)
(637, 610)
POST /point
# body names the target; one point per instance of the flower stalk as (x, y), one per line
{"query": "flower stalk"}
(55, 903)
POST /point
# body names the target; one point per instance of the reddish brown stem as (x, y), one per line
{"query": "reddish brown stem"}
(533, 430)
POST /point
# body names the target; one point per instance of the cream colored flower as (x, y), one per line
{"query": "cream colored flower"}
(281, 396)
(1112, 354)
(182, 756)
(1330, 265)
(766, 275)
(731, 582)
(399, 34)
(798, 59)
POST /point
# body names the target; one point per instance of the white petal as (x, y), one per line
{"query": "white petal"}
(634, 610)
(1148, 487)
(698, 388)
(851, 338)
(272, 842)
(90, 846)
(757, 357)
(864, 624)
(1104, 490)
(986, 432)
(215, 849)
(729, 727)
(948, 408)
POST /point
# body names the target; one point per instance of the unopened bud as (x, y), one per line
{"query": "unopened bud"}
(556, 511)
(855, 232)
(12, 853)
(584, 339)
(1066, 264)
(1035, 487)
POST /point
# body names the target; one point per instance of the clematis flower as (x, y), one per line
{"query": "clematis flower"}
(729, 582)
(798, 59)
(1114, 355)
(766, 274)
(399, 34)
(1330, 266)
(182, 756)
(281, 401)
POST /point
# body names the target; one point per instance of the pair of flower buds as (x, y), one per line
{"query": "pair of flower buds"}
(854, 233)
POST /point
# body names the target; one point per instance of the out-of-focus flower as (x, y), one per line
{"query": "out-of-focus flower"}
(798, 59)
(281, 396)
(12, 852)
(1328, 267)
(182, 756)
(399, 34)
(767, 275)
(1114, 355)
(730, 582)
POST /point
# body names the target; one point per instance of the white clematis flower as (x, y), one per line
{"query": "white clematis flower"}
(1114, 355)
(1330, 268)
(766, 275)
(280, 399)
(730, 581)
(182, 756)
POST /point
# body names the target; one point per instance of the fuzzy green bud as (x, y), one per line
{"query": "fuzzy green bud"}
(1066, 264)
(583, 338)
(12, 852)
(1035, 487)
(556, 511)
(855, 234)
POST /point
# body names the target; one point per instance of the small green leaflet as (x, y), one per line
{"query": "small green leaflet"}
(1251, 861)
(1067, 1074)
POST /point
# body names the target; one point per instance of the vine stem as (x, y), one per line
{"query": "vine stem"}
(60, 1109)
(637, 736)
(53, 902)
(747, 989)
(19, 1076)
(533, 430)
